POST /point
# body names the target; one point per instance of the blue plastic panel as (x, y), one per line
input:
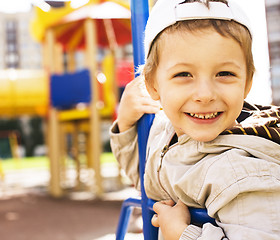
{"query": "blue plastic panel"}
(69, 89)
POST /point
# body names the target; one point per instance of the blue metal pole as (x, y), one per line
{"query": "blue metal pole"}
(139, 17)
(126, 210)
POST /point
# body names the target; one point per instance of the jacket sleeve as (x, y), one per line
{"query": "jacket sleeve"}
(245, 203)
(250, 216)
(125, 149)
(193, 232)
(259, 221)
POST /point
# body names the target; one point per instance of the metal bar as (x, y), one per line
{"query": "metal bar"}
(139, 17)
(126, 211)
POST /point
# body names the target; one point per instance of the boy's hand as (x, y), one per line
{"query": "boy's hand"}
(172, 219)
(135, 102)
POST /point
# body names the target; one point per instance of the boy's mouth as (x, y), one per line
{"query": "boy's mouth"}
(204, 116)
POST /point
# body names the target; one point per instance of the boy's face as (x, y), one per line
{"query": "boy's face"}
(200, 82)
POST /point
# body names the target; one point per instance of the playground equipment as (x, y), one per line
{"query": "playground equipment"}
(23, 92)
(12, 138)
(99, 24)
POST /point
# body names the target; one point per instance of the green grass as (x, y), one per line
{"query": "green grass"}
(25, 163)
(42, 162)
(107, 158)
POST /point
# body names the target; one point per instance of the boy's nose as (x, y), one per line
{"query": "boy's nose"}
(205, 92)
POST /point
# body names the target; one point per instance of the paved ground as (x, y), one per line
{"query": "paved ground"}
(27, 212)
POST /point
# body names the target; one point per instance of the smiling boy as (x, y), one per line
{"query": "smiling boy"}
(201, 89)
(199, 66)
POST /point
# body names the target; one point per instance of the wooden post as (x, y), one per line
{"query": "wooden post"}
(75, 153)
(71, 66)
(94, 130)
(111, 37)
(53, 125)
(58, 60)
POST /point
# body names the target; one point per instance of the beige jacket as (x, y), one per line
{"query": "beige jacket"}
(236, 177)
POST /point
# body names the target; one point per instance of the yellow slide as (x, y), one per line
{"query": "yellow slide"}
(23, 92)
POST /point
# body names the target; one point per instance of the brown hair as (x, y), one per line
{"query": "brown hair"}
(225, 28)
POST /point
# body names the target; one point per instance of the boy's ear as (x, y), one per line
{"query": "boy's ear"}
(153, 91)
(248, 87)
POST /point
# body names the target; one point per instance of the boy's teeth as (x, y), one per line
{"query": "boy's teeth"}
(204, 116)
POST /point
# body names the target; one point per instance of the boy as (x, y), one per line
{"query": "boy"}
(199, 66)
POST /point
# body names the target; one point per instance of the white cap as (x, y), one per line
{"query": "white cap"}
(167, 12)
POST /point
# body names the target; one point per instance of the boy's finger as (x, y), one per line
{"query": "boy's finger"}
(168, 202)
(149, 109)
(155, 220)
(180, 203)
(159, 206)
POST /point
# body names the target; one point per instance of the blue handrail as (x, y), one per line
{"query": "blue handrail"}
(139, 17)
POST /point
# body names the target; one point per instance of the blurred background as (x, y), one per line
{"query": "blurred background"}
(63, 67)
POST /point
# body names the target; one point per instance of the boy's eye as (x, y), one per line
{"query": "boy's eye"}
(225, 74)
(183, 74)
